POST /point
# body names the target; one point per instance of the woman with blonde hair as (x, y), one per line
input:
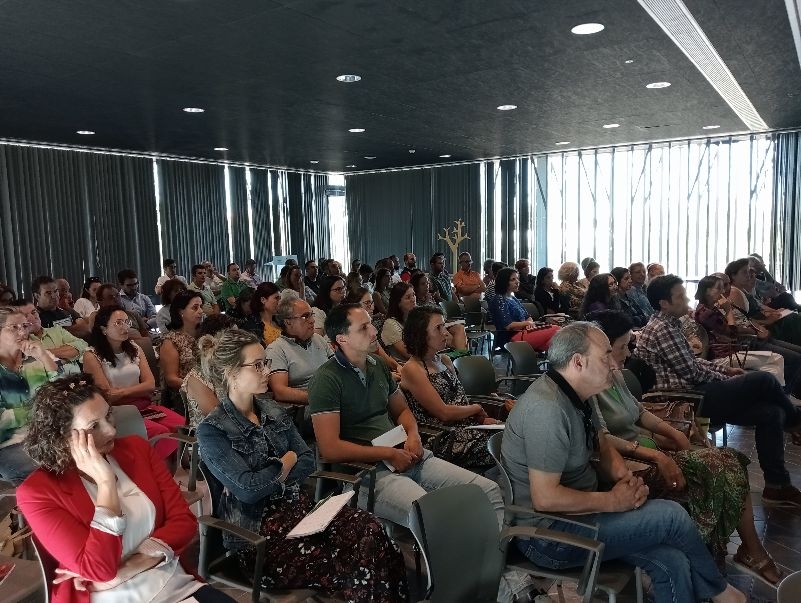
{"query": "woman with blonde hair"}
(568, 286)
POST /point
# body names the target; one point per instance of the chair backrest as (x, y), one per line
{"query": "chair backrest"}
(525, 361)
(472, 305)
(152, 361)
(633, 383)
(494, 447)
(532, 309)
(789, 590)
(129, 421)
(474, 574)
(476, 374)
(47, 565)
(451, 309)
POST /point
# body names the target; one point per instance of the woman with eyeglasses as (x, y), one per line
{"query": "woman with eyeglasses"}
(331, 293)
(364, 298)
(296, 354)
(87, 304)
(24, 367)
(121, 371)
(251, 446)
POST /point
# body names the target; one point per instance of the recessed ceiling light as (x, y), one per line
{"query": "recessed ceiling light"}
(411, 150)
(350, 166)
(85, 132)
(710, 127)
(356, 130)
(444, 156)
(656, 85)
(348, 78)
(628, 61)
(586, 29)
(609, 126)
(220, 148)
(193, 110)
(563, 142)
(507, 107)
(313, 161)
(369, 156)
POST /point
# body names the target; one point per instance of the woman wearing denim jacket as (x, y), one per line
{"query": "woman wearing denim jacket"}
(253, 448)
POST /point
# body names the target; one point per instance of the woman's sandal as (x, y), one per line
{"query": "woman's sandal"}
(757, 567)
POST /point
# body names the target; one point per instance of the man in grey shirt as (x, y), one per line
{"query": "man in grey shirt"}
(548, 447)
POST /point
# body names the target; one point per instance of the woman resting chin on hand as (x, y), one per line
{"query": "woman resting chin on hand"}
(107, 510)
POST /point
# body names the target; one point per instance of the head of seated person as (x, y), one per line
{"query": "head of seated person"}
(128, 283)
(667, 294)
(402, 300)
(186, 312)
(353, 281)
(170, 289)
(600, 292)
(741, 274)
(362, 297)
(296, 319)
(638, 274)
(423, 334)
(422, 288)
(111, 330)
(7, 296)
(655, 269)
(294, 279)
(623, 277)
(591, 270)
(382, 279)
(331, 293)
(568, 272)
(710, 291)
(507, 282)
(45, 293)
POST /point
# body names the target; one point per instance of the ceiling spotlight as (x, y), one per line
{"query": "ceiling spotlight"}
(562, 142)
(586, 29)
(85, 132)
(609, 126)
(356, 130)
(313, 161)
(628, 61)
(369, 156)
(710, 127)
(411, 150)
(348, 78)
(220, 148)
(444, 156)
(193, 110)
(656, 85)
(507, 107)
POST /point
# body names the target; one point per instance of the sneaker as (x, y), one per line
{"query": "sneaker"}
(783, 496)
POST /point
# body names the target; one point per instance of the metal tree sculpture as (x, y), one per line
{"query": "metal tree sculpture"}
(453, 242)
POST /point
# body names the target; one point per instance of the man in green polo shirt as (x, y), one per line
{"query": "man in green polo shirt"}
(231, 286)
(353, 397)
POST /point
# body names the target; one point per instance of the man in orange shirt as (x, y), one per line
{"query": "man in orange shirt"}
(468, 282)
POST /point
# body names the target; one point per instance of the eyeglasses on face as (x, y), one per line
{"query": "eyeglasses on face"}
(260, 365)
(368, 303)
(339, 289)
(20, 328)
(304, 316)
(122, 322)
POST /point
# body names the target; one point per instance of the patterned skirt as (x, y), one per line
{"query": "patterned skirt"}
(352, 559)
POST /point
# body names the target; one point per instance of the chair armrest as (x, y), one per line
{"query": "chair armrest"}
(588, 544)
(491, 400)
(530, 378)
(518, 510)
(685, 394)
(225, 526)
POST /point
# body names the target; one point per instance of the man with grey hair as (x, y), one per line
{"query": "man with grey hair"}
(549, 442)
(297, 353)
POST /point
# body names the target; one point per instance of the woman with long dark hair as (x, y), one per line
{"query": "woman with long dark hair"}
(87, 304)
(547, 293)
(177, 354)
(401, 301)
(331, 293)
(601, 295)
(381, 291)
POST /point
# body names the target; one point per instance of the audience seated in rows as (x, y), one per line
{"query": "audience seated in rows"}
(199, 286)
(252, 447)
(626, 299)
(45, 296)
(510, 318)
(601, 295)
(170, 289)
(711, 483)
(436, 397)
(170, 272)
(715, 313)
(232, 286)
(528, 283)
(106, 510)
(547, 446)
(121, 371)
(730, 395)
(24, 367)
(177, 355)
(466, 281)
(637, 295)
(249, 275)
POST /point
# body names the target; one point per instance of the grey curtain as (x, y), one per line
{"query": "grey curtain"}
(308, 216)
(193, 213)
(786, 230)
(75, 214)
(240, 221)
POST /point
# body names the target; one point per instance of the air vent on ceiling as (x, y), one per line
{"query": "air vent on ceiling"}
(655, 126)
(675, 19)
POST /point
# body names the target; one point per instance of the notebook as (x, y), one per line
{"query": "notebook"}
(320, 516)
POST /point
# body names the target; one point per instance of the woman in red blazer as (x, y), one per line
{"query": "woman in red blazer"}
(107, 510)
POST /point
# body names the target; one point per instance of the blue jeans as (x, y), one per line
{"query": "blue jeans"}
(659, 537)
(15, 464)
(395, 492)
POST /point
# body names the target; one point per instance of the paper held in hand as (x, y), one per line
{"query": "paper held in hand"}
(490, 427)
(391, 439)
(320, 516)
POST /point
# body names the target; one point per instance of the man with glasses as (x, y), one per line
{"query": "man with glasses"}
(170, 272)
(46, 298)
(466, 281)
(297, 354)
(134, 301)
(56, 339)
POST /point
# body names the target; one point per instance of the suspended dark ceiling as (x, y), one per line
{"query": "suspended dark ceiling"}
(433, 72)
